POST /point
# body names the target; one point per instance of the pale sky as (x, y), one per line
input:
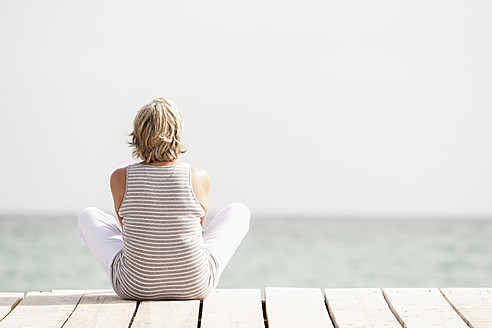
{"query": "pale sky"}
(360, 108)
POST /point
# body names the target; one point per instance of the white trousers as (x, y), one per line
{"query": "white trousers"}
(102, 234)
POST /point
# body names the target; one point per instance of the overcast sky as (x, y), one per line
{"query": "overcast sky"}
(320, 107)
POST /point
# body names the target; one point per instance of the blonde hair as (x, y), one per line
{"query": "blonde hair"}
(157, 129)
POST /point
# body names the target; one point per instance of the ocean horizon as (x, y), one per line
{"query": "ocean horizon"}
(44, 253)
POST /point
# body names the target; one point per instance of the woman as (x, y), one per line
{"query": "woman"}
(157, 248)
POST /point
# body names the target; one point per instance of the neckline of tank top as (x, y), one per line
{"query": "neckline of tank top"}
(151, 165)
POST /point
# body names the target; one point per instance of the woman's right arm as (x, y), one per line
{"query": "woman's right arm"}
(118, 189)
(201, 187)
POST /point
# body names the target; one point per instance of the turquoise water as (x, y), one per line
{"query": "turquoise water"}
(44, 253)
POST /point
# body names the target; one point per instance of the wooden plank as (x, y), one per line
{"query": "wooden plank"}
(296, 307)
(474, 305)
(102, 309)
(359, 307)
(8, 301)
(154, 314)
(239, 308)
(80, 291)
(42, 309)
(422, 307)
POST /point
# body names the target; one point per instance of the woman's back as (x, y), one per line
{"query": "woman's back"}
(156, 248)
(163, 256)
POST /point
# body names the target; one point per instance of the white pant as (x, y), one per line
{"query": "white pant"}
(102, 233)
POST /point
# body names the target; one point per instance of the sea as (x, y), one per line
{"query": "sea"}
(42, 253)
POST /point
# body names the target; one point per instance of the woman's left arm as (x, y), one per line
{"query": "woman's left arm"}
(118, 188)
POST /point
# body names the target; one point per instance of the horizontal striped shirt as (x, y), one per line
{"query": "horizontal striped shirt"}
(163, 256)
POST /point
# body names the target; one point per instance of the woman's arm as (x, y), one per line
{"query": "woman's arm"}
(118, 189)
(201, 187)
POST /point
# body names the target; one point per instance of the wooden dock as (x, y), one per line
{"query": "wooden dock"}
(282, 308)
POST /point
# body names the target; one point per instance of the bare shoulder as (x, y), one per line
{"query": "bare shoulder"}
(200, 173)
(118, 175)
(201, 179)
(118, 179)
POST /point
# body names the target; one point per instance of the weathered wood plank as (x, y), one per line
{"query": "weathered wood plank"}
(422, 308)
(359, 307)
(8, 301)
(238, 308)
(41, 309)
(296, 307)
(474, 305)
(155, 314)
(102, 309)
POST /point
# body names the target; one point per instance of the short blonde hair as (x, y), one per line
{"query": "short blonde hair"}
(157, 129)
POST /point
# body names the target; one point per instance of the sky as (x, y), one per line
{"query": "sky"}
(357, 108)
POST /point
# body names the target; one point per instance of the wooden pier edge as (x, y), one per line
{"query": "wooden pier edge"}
(282, 307)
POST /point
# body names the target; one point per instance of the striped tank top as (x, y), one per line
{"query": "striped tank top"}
(163, 255)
